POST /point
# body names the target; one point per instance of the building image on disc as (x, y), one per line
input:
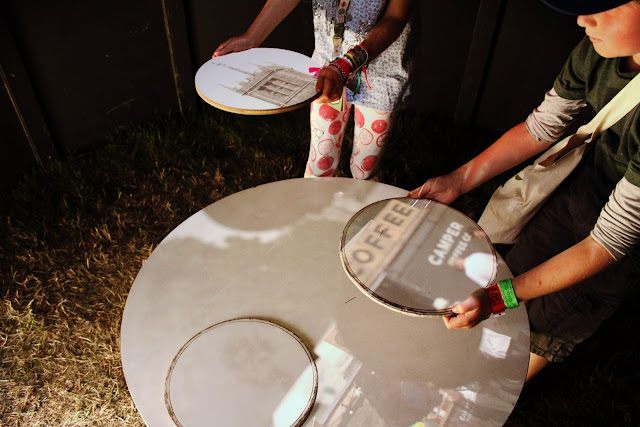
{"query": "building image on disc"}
(276, 84)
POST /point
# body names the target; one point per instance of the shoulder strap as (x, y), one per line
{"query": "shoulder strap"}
(617, 108)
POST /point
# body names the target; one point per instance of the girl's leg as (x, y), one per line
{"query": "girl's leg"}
(370, 135)
(327, 130)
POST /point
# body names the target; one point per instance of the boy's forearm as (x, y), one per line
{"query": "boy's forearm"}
(514, 147)
(575, 264)
(272, 13)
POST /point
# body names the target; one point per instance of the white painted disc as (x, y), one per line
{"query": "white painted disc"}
(258, 81)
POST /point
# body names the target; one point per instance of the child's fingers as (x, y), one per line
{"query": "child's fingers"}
(460, 321)
(320, 83)
(465, 320)
(235, 44)
(220, 50)
(330, 87)
(418, 192)
(469, 312)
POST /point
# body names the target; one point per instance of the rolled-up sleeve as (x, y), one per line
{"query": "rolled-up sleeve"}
(552, 117)
(618, 227)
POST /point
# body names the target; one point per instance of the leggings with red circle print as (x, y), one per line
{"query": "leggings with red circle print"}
(328, 125)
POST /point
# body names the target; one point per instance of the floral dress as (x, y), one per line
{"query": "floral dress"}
(389, 73)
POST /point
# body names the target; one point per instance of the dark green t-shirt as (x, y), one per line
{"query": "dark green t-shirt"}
(587, 75)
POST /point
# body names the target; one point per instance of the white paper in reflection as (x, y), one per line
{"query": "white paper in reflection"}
(494, 344)
(470, 395)
(479, 267)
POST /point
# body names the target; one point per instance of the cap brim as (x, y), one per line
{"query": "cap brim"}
(583, 7)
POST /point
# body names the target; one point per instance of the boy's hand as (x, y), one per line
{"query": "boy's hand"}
(330, 83)
(234, 44)
(444, 189)
(470, 312)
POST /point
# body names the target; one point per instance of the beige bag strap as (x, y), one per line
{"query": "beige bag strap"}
(616, 108)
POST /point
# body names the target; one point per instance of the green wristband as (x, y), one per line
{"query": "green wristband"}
(508, 295)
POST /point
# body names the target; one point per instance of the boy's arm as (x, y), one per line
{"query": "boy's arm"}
(616, 232)
(273, 12)
(547, 123)
(381, 36)
(511, 149)
(575, 264)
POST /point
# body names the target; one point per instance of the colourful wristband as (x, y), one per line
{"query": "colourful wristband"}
(497, 303)
(508, 295)
(358, 55)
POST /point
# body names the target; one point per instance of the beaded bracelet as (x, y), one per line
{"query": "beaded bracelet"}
(353, 61)
(344, 66)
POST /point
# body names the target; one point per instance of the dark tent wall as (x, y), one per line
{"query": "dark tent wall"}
(212, 22)
(531, 44)
(74, 71)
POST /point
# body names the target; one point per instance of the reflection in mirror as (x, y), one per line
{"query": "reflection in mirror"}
(413, 373)
(238, 370)
(416, 256)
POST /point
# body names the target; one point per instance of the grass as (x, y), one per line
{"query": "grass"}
(75, 234)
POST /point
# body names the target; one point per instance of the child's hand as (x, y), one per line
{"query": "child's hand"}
(470, 312)
(444, 189)
(330, 83)
(235, 44)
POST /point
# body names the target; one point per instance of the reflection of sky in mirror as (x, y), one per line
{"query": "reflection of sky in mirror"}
(208, 230)
(219, 235)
